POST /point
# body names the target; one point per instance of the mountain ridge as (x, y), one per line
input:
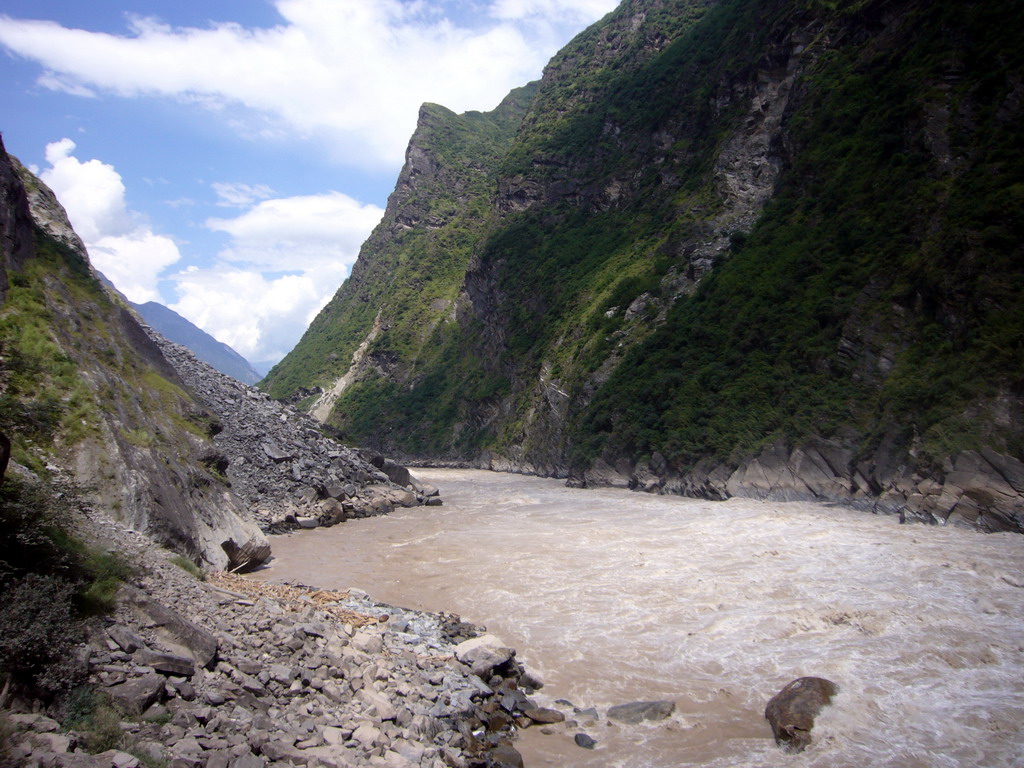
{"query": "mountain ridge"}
(765, 250)
(183, 331)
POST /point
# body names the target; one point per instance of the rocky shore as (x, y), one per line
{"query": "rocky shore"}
(233, 673)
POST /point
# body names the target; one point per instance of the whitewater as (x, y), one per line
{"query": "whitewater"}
(614, 596)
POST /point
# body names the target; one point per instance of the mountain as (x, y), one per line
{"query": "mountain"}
(176, 328)
(722, 248)
(86, 396)
(155, 439)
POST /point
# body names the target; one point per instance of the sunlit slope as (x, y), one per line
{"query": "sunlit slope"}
(720, 227)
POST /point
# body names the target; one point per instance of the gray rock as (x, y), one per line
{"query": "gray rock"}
(792, 710)
(284, 752)
(177, 632)
(135, 696)
(166, 663)
(585, 741)
(506, 756)
(126, 640)
(276, 452)
(248, 760)
(637, 711)
(544, 715)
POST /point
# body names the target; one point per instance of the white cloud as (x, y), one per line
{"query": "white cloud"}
(120, 243)
(349, 71)
(577, 10)
(134, 262)
(244, 300)
(289, 233)
(238, 195)
(260, 317)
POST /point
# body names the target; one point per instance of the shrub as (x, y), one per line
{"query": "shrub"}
(187, 565)
(38, 630)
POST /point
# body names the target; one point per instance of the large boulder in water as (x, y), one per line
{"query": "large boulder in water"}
(636, 711)
(792, 710)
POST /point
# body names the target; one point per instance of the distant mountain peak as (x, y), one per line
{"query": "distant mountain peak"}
(176, 328)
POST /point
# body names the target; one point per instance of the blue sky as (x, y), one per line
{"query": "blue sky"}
(228, 157)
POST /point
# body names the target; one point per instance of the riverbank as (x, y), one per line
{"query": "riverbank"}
(232, 673)
(615, 596)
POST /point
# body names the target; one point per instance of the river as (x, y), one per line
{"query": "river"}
(614, 596)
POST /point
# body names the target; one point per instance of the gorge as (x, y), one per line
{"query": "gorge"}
(720, 248)
(763, 255)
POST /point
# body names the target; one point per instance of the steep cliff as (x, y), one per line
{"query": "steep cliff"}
(85, 393)
(767, 249)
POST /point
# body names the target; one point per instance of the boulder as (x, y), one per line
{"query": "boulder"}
(175, 631)
(506, 756)
(166, 663)
(585, 741)
(135, 696)
(637, 711)
(485, 660)
(247, 556)
(544, 715)
(275, 452)
(126, 640)
(792, 710)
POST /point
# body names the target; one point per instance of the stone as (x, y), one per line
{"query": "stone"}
(307, 522)
(334, 736)
(248, 761)
(245, 557)
(126, 640)
(124, 760)
(366, 734)
(637, 711)
(177, 632)
(276, 452)
(531, 680)
(484, 659)
(284, 752)
(35, 722)
(544, 715)
(792, 710)
(506, 756)
(379, 703)
(367, 642)
(53, 742)
(585, 741)
(166, 663)
(135, 696)
(467, 646)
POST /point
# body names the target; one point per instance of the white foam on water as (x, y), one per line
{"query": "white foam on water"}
(613, 596)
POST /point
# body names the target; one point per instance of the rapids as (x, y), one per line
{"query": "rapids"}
(614, 596)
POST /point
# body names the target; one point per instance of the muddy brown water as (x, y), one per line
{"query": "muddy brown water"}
(613, 596)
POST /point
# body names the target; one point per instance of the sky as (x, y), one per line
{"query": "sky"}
(227, 158)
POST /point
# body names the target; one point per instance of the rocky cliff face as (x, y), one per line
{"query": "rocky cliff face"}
(170, 446)
(762, 249)
(85, 391)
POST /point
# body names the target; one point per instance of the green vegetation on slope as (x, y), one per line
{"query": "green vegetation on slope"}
(50, 580)
(878, 295)
(411, 267)
(868, 229)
